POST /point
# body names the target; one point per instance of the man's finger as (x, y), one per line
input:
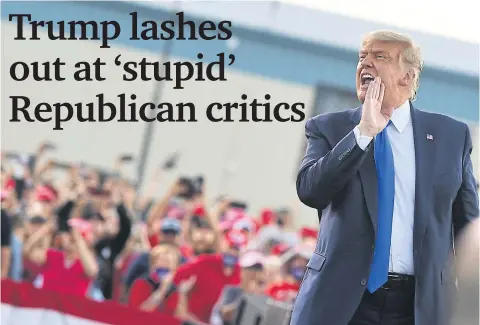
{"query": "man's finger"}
(379, 83)
(369, 90)
(376, 90)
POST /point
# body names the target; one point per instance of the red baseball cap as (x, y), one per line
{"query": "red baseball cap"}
(279, 249)
(10, 184)
(234, 214)
(307, 232)
(199, 210)
(236, 239)
(45, 193)
(83, 226)
(244, 223)
(267, 216)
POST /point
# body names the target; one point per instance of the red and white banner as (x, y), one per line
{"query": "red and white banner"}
(23, 304)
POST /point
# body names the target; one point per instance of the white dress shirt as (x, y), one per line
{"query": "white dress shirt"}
(400, 134)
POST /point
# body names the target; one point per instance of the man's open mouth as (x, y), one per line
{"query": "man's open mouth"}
(366, 78)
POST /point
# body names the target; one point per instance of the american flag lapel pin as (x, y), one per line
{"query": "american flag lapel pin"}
(429, 137)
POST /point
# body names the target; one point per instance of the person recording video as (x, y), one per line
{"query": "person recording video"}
(69, 271)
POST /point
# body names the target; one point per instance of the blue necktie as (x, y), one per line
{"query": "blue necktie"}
(386, 194)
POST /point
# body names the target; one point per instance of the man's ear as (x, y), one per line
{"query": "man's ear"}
(408, 78)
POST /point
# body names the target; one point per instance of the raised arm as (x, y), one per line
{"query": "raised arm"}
(87, 258)
(160, 208)
(30, 248)
(326, 168)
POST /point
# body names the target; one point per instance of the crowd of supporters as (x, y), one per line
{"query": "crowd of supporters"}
(82, 231)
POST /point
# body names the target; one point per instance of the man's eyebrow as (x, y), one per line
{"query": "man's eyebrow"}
(374, 51)
(380, 51)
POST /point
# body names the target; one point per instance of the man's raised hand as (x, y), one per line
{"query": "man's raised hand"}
(374, 118)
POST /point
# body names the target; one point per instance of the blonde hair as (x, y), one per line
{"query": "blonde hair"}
(165, 249)
(411, 55)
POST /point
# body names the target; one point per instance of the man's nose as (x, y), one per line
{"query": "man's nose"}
(367, 62)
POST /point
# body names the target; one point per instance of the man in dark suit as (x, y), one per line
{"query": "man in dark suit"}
(393, 187)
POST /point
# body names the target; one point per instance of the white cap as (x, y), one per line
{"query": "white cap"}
(305, 251)
(251, 258)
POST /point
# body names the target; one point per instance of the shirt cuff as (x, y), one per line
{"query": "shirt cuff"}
(362, 140)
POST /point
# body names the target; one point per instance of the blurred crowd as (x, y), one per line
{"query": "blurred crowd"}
(80, 230)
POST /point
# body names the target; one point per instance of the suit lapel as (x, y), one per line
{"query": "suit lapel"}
(368, 177)
(424, 141)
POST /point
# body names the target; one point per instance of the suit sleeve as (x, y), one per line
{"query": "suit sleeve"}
(466, 207)
(325, 170)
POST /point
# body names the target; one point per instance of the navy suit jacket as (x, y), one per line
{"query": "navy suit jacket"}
(339, 179)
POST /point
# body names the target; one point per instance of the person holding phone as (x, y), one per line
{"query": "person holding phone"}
(110, 240)
(69, 271)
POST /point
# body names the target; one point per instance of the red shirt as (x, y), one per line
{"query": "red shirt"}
(211, 279)
(186, 251)
(59, 277)
(283, 291)
(139, 292)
